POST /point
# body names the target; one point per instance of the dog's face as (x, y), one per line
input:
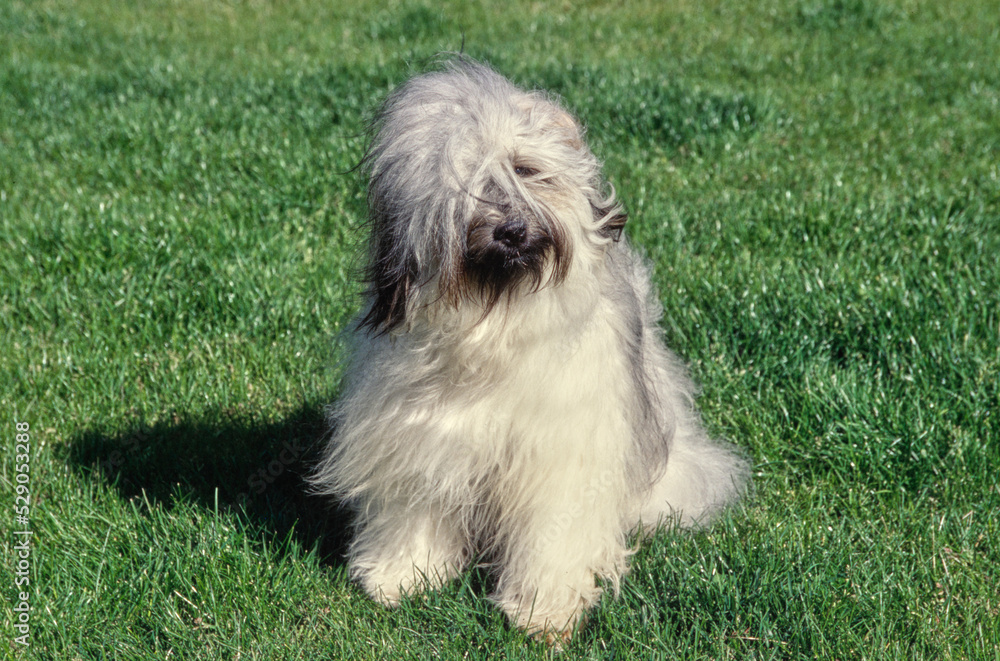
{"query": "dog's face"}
(478, 191)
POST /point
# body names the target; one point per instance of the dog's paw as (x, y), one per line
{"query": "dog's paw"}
(555, 637)
(388, 583)
(553, 625)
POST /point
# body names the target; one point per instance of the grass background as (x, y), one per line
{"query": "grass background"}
(816, 182)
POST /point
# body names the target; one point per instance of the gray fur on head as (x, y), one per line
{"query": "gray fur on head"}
(455, 155)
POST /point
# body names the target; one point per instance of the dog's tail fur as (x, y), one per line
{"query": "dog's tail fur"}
(702, 478)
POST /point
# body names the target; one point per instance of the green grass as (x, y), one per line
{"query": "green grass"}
(816, 182)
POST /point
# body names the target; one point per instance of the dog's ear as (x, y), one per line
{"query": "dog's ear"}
(612, 219)
(557, 118)
(391, 275)
(567, 123)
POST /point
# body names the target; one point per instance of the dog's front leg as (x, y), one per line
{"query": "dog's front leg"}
(404, 547)
(556, 545)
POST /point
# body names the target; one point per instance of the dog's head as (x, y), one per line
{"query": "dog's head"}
(477, 191)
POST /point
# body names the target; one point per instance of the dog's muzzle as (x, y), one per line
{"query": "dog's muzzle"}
(503, 252)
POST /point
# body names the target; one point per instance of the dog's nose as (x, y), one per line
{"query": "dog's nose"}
(512, 233)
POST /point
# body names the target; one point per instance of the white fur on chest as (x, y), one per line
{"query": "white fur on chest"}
(483, 407)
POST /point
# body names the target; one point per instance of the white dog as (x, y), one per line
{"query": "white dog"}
(509, 393)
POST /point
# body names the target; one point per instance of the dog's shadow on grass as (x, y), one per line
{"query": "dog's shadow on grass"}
(253, 469)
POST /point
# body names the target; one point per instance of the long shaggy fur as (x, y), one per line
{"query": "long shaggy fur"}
(509, 393)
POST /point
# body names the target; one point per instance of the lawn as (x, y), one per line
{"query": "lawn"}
(816, 183)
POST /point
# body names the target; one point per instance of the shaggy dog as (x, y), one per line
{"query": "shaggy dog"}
(509, 393)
